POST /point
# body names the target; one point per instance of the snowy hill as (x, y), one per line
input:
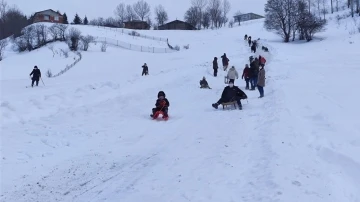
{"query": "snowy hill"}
(87, 135)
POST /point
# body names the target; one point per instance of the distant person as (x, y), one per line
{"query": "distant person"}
(215, 66)
(36, 75)
(262, 61)
(225, 61)
(204, 83)
(232, 74)
(245, 37)
(246, 76)
(231, 93)
(145, 70)
(249, 41)
(261, 81)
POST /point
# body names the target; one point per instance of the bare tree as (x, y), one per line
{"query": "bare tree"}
(130, 13)
(73, 37)
(226, 9)
(352, 7)
(214, 9)
(85, 41)
(237, 16)
(206, 20)
(41, 33)
(62, 30)
(120, 12)
(142, 9)
(337, 5)
(192, 16)
(161, 15)
(3, 44)
(200, 5)
(26, 40)
(324, 9)
(54, 32)
(3, 9)
(332, 7)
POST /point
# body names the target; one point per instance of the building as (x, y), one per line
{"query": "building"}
(247, 17)
(177, 25)
(48, 16)
(137, 24)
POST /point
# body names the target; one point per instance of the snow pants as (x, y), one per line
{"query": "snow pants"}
(261, 90)
(215, 72)
(33, 81)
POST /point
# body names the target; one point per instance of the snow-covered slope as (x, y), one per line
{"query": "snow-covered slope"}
(87, 134)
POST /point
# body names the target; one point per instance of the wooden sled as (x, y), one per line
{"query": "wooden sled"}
(229, 104)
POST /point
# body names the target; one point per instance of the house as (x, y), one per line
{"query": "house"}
(137, 24)
(177, 25)
(247, 17)
(48, 16)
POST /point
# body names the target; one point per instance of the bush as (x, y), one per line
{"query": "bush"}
(65, 53)
(49, 73)
(85, 41)
(177, 48)
(231, 23)
(187, 46)
(73, 38)
(103, 47)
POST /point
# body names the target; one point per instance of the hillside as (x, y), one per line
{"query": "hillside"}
(87, 135)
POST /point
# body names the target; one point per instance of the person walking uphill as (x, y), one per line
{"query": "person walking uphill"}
(215, 66)
(36, 75)
(225, 61)
(231, 93)
(261, 81)
(232, 74)
(145, 70)
(246, 75)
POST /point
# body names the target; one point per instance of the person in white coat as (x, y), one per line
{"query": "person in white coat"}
(232, 74)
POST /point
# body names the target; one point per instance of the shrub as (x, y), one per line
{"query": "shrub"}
(49, 73)
(177, 47)
(65, 53)
(103, 47)
(73, 38)
(187, 46)
(86, 40)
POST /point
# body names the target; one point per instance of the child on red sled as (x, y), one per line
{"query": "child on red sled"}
(162, 105)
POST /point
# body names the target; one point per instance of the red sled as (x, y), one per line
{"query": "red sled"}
(158, 113)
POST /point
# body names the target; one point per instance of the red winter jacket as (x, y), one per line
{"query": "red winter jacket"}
(246, 73)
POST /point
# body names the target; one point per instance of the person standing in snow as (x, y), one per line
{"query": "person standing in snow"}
(162, 104)
(232, 74)
(36, 75)
(225, 61)
(253, 48)
(262, 61)
(254, 71)
(215, 66)
(231, 93)
(249, 41)
(261, 81)
(245, 37)
(145, 70)
(246, 75)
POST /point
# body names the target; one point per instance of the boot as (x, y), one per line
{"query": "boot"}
(215, 105)
(240, 107)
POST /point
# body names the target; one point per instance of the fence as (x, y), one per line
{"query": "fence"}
(134, 33)
(69, 66)
(134, 47)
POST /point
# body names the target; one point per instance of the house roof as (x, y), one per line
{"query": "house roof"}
(177, 21)
(47, 10)
(136, 21)
(247, 14)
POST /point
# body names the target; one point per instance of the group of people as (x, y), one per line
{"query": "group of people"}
(252, 44)
(225, 63)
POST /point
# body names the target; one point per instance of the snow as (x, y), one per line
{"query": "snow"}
(87, 135)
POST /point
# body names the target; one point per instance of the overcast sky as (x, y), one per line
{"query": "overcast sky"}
(98, 8)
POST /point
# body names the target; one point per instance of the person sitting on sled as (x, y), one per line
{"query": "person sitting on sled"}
(231, 93)
(204, 83)
(161, 104)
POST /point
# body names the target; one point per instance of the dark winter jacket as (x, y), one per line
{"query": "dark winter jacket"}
(246, 73)
(36, 74)
(215, 64)
(230, 93)
(203, 82)
(145, 68)
(162, 103)
(225, 60)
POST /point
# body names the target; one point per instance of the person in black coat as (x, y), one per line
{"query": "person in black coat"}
(231, 93)
(162, 104)
(249, 41)
(145, 70)
(215, 66)
(204, 83)
(36, 75)
(225, 61)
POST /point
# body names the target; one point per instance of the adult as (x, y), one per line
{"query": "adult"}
(261, 81)
(246, 76)
(215, 66)
(232, 74)
(225, 61)
(36, 75)
(229, 94)
(145, 70)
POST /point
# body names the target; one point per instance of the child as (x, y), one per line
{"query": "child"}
(204, 83)
(161, 104)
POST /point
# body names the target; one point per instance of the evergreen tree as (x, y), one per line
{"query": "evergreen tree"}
(77, 20)
(65, 19)
(86, 21)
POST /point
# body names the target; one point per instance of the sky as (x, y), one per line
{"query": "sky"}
(95, 8)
